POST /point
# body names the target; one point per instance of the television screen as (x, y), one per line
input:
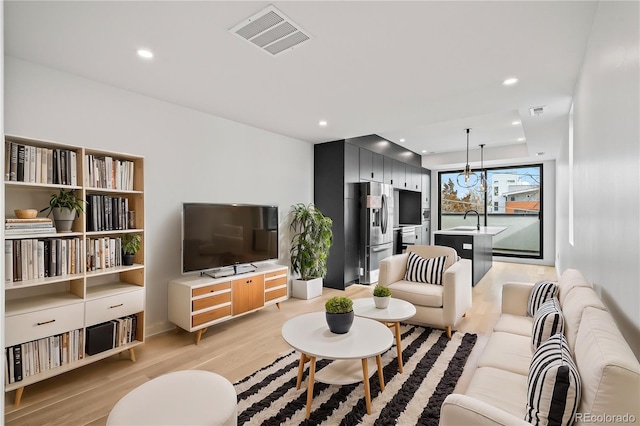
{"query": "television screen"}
(220, 235)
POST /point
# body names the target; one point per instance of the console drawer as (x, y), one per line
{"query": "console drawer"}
(112, 307)
(208, 302)
(199, 291)
(268, 275)
(48, 322)
(275, 294)
(211, 315)
(276, 282)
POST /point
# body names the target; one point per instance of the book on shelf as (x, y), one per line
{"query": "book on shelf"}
(13, 172)
(20, 164)
(28, 225)
(7, 161)
(34, 220)
(8, 261)
(38, 230)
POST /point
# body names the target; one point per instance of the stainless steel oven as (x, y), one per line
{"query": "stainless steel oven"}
(408, 237)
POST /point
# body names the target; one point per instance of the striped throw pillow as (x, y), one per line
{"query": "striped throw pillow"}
(553, 384)
(541, 292)
(547, 321)
(424, 270)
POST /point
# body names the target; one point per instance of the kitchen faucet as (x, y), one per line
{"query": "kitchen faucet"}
(477, 215)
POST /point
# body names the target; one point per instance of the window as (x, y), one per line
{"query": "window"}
(515, 203)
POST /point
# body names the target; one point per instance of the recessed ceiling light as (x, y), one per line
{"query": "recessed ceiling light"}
(402, 140)
(515, 123)
(424, 151)
(520, 139)
(322, 123)
(510, 81)
(145, 53)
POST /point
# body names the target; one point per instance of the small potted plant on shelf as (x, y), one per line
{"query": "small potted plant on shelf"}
(131, 243)
(339, 314)
(312, 238)
(65, 206)
(381, 296)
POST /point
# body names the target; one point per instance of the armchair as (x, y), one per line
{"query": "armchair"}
(440, 306)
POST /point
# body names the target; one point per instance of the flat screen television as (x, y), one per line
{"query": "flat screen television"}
(221, 235)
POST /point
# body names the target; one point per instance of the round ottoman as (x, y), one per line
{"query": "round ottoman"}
(190, 397)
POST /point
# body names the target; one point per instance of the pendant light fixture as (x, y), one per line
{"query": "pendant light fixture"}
(467, 179)
(483, 172)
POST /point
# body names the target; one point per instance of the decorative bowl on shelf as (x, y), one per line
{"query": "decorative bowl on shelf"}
(26, 213)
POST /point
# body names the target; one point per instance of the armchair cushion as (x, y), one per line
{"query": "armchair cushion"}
(424, 270)
(418, 294)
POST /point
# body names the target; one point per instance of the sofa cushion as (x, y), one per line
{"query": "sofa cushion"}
(574, 304)
(499, 388)
(514, 324)
(570, 279)
(424, 270)
(547, 321)
(540, 293)
(419, 294)
(608, 368)
(553, 384)
(507, 351)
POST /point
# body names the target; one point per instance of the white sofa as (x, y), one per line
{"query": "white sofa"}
(440, 306)
(608, 369)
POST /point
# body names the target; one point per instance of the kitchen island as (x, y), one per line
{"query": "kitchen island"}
(473, 244)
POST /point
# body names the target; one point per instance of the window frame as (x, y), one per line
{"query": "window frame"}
(540, 167)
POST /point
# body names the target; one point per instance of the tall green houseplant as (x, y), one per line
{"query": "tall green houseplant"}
(311, 241)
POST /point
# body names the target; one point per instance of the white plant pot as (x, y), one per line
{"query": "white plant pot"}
(301, 289)
(381, 302)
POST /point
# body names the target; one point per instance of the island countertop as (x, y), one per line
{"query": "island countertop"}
(471, 230)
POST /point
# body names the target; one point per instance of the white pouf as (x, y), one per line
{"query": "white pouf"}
(190, 397)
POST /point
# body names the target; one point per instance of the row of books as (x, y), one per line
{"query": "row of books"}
(109, 173)
(44, 354)
(106, 213)
(111, 334)
(29, 259)
(103, 252)
(25, 163)
(40, 225)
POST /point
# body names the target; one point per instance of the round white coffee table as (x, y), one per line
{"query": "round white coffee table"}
(398, 310)
(366, 339)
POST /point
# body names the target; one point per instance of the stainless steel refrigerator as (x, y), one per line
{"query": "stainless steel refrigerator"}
(376, 232)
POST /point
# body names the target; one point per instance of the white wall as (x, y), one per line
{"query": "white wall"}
(606, 168)
(189, 156)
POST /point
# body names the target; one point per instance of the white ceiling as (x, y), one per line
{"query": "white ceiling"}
(419, 70)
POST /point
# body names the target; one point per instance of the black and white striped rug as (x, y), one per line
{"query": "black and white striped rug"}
(432, 366)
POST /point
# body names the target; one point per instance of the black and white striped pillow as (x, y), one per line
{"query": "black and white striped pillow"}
(424, 270)
(553, 384)
(541, 292)
(547, 321)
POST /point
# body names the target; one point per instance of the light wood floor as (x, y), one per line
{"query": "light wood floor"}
(233, 349)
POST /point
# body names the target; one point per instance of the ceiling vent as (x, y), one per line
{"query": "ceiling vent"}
(271, 31)
(535, 111)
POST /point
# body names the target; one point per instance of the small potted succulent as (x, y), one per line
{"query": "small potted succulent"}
(381, 296)
(131, 243)
(339, 314)
(65, 206)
